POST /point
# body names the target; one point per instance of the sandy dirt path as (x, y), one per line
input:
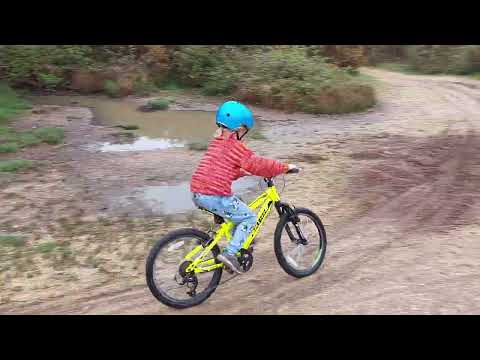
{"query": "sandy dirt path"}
(397, 188)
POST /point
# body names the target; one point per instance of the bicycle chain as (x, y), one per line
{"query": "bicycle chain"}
(233, 277)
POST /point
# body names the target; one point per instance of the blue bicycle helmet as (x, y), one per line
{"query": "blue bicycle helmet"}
(233, 115)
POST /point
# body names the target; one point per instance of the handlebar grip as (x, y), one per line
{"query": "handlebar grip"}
(293, 171)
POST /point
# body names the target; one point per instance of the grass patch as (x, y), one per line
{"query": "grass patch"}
(159, 104)
(47, 247)
(8, 148)
(50, 135)
(198, 146)
(12, 240)
(15, 165)
(10, 103)
(27, 138)
(12, 141)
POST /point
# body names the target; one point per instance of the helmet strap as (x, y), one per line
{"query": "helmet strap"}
(241, 137)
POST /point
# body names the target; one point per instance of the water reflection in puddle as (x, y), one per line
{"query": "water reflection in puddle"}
(175, 199)
(143, 143)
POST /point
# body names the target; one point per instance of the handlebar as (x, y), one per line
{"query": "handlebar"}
(269, 181)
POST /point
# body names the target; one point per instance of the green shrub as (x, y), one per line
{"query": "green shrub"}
(289, 80)
(15, 165)
(8, 148)
(168, 84)
(50, 135)
(193, 63)
(23, 64)
(112, 88)
(50, 81)
(159, 104)
(448, 59)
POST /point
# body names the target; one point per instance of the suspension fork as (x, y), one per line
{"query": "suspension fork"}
(282, 209)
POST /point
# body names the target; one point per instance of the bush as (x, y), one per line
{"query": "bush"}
(50, 81)
(23, 64)
(112, 88)
(341, 55)
(284, 77)
(377, 54)
(448, 59)
(159, 104)
(291, 81)
(168, 84)
(15, 165)
(193, 64)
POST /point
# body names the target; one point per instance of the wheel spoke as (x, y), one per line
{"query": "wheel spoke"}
(301, 257)
(300, 249)
(169, 260)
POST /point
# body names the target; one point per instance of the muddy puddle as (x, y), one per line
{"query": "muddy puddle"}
(156, 130)
(175, 199)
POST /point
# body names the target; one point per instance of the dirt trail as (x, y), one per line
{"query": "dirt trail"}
(397, 188)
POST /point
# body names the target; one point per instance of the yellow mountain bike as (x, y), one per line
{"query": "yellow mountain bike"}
(182, 269)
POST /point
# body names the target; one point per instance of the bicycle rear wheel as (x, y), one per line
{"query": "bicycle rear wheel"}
(296, 257)
(165, 270)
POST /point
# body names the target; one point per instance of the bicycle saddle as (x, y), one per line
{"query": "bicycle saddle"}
(216, 219)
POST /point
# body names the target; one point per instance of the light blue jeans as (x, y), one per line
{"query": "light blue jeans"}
(230, 208)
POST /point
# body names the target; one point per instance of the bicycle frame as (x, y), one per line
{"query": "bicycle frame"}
(265, 201)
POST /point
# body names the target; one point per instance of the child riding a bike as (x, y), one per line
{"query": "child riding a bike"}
(226, 160)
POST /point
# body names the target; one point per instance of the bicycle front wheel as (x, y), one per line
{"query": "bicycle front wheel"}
(300, 242)
(165, 270)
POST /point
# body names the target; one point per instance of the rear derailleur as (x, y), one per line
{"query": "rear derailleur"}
(187, 278)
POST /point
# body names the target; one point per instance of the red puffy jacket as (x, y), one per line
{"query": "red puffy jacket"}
(223, 163)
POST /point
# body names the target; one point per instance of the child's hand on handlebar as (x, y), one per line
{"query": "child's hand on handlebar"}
(292, 169)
